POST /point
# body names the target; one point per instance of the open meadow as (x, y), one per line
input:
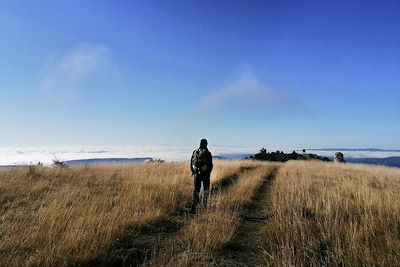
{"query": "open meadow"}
(334, 215)
(299, 213)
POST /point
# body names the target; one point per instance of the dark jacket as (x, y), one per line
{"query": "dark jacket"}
(208, 161)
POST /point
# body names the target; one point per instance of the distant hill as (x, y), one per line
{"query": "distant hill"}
(11, 166)
(219, 158)
(234, 156)
(355, 149)
(95, 161)
(375, 156)
(389, 162)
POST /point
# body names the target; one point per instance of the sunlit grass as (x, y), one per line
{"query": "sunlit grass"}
(214, 227)
(333, 214)
(58, 216)
(317, 213)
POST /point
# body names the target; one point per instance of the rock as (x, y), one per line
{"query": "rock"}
(339, 157)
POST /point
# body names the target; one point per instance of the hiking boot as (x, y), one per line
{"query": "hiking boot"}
(205, 198)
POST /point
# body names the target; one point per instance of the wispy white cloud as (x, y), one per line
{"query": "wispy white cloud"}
(63, 75)
(247, 89)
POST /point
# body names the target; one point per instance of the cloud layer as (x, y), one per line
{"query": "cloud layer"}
(46, 155)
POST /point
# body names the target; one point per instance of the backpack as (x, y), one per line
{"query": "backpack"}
(200, 160)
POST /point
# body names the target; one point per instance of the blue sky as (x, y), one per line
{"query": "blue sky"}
(280, 74)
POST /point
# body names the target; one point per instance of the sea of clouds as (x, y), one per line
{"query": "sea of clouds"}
(357, 153)
(46, 155)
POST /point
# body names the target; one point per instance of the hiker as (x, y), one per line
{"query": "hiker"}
(201, 166)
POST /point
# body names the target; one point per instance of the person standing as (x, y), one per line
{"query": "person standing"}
(201, 166)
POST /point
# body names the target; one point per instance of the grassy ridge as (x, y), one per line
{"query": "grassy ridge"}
(316, 214)
(333, 215)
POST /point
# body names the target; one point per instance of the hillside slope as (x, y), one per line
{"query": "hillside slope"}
(296, 213)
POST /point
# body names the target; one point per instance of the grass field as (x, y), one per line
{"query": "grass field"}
(297, 213)
(333, 214)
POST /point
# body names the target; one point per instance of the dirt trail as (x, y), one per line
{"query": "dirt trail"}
(135, 245)
(245, 247)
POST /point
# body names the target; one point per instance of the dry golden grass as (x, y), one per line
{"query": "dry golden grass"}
(319, 213)
(61, 216)
(215, 226)
(333, 214)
